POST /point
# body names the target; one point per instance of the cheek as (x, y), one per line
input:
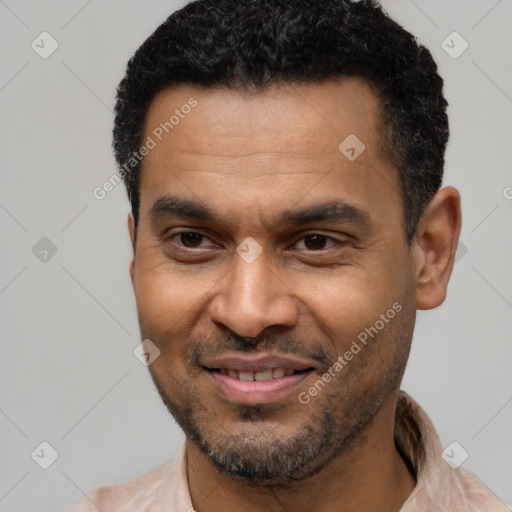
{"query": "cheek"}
(171, 303)
(157, 299)
(344, 298)
(163, 306)
(165, 291)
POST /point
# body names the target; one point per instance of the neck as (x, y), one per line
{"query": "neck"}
(369, 475)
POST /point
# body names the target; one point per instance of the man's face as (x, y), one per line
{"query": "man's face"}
(258, 237)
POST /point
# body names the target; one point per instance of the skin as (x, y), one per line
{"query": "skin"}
(248, 157)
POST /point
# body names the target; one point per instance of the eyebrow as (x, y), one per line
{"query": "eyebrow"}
(335, 211)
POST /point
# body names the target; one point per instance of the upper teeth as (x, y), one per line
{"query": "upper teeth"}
(271, 373)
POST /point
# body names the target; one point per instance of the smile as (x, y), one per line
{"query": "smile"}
(264, 375)
(257, 379)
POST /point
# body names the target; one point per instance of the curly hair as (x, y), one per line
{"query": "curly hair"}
(257, 43)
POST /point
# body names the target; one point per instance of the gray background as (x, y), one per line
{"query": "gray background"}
(69, 325)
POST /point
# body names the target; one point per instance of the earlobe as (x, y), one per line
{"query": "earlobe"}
(435, 246)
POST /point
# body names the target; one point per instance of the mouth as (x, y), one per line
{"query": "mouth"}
(259, 376)
(257, 379)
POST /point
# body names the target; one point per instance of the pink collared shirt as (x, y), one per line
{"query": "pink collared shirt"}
(439, 488)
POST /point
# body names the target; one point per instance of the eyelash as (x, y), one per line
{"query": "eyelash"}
(326, 237)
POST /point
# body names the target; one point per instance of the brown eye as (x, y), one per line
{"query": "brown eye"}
(190, 239)
(315, 242)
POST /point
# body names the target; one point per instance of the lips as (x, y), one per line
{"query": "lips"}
(257, 378)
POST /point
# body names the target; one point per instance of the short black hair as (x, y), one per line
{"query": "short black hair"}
(254, 44)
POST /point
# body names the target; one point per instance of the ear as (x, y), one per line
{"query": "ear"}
(435, 246)
(132, 230)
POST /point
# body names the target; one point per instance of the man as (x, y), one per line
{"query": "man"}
(284, 160)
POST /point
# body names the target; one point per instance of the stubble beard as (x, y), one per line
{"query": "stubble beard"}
(259, 452)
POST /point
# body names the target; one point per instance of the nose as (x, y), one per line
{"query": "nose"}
(252, 298)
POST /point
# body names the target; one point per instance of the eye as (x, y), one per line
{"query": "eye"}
(316, 242)
(189, 239)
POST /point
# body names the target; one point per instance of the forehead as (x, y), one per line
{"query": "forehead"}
(311, 118)
(284, 139)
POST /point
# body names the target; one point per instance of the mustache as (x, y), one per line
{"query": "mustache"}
(199, 349)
